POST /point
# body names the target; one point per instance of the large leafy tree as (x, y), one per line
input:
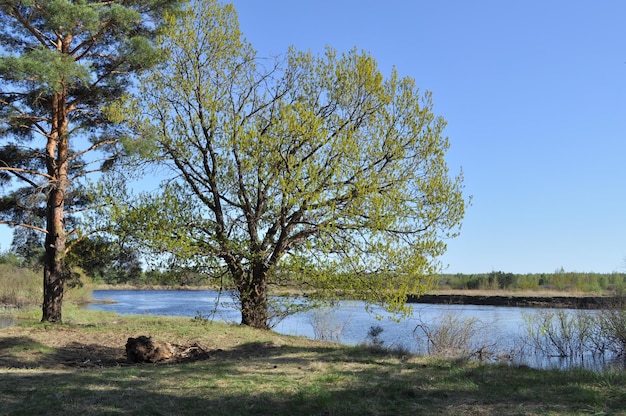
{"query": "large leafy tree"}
(314, 167)
(62, 63)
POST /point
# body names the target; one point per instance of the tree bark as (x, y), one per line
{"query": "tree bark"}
(57, 165)
(254, 299)
(54, 266)
(53, 280)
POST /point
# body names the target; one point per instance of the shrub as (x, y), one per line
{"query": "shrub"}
(373, 336)
(612, 329)
(562, 333)
(453, 336)
(326, 325)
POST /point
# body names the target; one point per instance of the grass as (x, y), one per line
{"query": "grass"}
(19, 286)
(78, 368)
(23, 287)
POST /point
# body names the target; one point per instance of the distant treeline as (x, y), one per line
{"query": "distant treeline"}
(98, 265)
(127, 269)
(559, 280)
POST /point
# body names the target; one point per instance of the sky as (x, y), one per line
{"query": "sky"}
(534, 93)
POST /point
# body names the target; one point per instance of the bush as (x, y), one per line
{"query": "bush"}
(373, 336)
(612, 328)
(561, 333)
(453, 336)
(326, 325)
(79, 289)
(7, 257)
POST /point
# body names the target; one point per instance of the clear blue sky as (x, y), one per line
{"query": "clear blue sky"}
(534, 93)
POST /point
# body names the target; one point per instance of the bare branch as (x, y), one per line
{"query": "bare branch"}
(19, 224)
(27, 172)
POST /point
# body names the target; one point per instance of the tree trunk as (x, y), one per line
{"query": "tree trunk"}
(254, 301)
(54, 272)
(53, 286)
(54, 266)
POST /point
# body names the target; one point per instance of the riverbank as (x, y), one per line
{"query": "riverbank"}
(79, 368)
(525, 300)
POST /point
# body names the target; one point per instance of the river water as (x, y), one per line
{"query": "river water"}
(498, 326)
(6, 321)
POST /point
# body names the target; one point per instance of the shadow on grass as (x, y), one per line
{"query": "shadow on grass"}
(264, 378)
(25, 352)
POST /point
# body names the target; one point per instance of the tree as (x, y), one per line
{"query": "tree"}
(316, 165)
(62, 63)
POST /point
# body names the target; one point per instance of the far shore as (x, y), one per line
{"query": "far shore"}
(521, 299)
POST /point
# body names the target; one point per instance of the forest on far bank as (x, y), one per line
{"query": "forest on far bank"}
(108, 268)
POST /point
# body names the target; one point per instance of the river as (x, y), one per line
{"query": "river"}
(501, 328)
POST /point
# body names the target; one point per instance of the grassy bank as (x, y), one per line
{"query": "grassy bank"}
(23, 287)
(79, 369)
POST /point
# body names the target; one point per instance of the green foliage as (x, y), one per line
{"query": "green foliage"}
(170, 277)
(50, 69)
(10, 258)
(315, 164)
(28, 245)
(106, 261)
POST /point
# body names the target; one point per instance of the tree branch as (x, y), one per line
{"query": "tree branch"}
(26, 171)
(19, 224)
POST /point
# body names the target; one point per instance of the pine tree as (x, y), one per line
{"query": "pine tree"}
(62, 63)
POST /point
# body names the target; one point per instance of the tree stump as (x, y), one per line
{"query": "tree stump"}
(144, 350)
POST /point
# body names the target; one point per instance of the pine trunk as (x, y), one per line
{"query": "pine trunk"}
(57, 165)
(54, 270)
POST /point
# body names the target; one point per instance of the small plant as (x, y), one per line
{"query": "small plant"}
(373, 336)
(19, 286)
(559, 333)
(612, 327)
(452, 336)
(200, 317)
(326, 327)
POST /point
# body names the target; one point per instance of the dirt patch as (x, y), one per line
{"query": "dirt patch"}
(66, 347)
